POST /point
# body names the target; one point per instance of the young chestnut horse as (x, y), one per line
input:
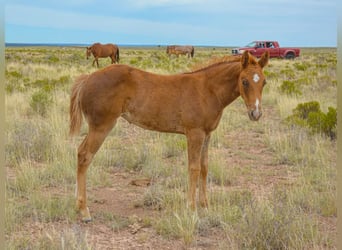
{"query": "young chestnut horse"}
(103, 50)
(190, 104)
(180, 50)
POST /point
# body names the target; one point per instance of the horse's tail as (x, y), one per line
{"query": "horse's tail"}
(192, 52)
(117, 56)
(75, 107)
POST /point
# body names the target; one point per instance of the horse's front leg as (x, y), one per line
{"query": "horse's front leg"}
(97, 61)
(204, 173)
(195, 140)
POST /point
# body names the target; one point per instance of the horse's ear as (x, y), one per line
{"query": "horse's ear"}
(264, 59)
(245, 59)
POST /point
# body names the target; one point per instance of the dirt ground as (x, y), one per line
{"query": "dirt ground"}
(121, 199)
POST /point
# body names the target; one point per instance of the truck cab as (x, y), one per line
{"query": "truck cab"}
(257, 48)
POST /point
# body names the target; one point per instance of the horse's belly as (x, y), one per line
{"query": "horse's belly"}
(154, 122)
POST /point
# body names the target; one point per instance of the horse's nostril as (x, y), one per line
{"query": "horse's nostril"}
(254, 115)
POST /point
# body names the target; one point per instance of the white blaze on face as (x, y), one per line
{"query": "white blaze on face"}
(257, 105)
(256, 78)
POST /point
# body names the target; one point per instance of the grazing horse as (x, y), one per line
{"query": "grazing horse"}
(190, 103)
(103, 50)
(180, 50)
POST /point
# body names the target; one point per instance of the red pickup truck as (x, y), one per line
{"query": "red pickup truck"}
(257, 48)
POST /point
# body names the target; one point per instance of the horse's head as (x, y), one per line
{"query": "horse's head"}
(251, 83)
(88, 52)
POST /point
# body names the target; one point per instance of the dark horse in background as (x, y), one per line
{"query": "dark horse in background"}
(103, 50)
(180, 50)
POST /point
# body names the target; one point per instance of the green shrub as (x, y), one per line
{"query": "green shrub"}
(301, 66)
(40, 102)
(320, 122)
(270, 74)
(304, 109)
(289, 73)
(42, 83)
(309, 115)
(52, 58)
(14, 74)
(289, 88)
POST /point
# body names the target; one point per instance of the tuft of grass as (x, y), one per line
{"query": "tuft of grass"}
(218, 173)
(29, 140)
(113, 221)
(41, 101)
(273, 225)
(52, 208)
(74, 239)
(186, 225)
(180, 224)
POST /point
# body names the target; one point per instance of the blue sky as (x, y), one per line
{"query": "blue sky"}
(304, 23)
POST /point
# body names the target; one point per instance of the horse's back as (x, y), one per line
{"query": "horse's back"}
(151, 101)
(104, 49)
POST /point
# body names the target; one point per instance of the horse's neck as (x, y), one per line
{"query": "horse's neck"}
(223, 81)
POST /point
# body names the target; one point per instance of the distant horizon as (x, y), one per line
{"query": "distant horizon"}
(22, 44)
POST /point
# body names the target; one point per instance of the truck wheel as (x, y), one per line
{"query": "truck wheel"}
(290, 55)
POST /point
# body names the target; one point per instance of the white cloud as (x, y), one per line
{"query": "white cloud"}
(203, 22)
(159, 3)
(49, 18)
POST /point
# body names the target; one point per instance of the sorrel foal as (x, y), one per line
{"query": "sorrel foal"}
(190, 104)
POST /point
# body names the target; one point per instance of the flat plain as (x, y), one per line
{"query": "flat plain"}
(271, 183)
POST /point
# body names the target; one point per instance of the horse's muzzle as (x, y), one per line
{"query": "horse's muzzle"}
(254, 115)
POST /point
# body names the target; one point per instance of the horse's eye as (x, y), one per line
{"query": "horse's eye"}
(245, 83)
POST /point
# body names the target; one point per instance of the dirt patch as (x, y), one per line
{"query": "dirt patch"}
(120, 221)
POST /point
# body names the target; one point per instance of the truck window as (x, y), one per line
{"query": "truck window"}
(251, 45)
(260, 45)
(269, 45)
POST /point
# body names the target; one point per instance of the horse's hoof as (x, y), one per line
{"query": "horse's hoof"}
(85, 215)
(86, 220)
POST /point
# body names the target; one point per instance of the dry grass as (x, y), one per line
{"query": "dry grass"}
(271, 186)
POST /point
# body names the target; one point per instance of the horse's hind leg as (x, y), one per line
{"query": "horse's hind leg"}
(113, 58)
(86, 152)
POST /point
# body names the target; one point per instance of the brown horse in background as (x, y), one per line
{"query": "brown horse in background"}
(103, 50)
(180, 50)
(191, 104)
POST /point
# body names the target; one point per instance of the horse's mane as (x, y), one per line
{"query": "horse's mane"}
(215, 61)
